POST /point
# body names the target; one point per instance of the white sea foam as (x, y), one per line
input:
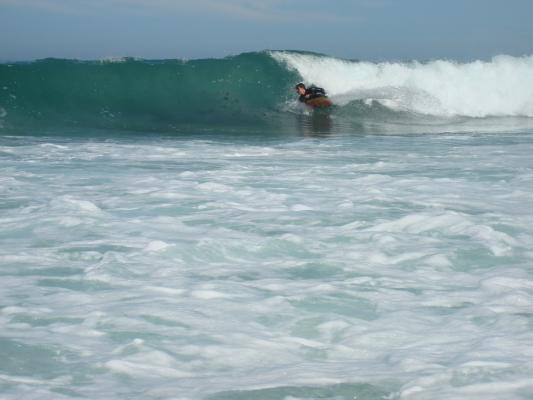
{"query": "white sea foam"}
(502, 86)
(157, 245)
(386, 267)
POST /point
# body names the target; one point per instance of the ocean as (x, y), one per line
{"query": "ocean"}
(185, 229)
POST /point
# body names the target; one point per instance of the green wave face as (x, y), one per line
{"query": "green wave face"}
(146, 95)
(255, 91)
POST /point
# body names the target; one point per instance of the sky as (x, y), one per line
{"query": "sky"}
(375, 30)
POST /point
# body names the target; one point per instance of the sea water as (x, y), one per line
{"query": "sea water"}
(326, 258)
(361, 267)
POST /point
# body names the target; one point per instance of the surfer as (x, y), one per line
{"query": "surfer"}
(313, 96)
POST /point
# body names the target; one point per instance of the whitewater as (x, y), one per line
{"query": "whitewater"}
(170, 232)
(502, 86)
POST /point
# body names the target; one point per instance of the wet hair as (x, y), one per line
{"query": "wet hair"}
(300, 85)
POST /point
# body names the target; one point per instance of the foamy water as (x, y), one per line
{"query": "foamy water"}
(502, 86)
(350, 267)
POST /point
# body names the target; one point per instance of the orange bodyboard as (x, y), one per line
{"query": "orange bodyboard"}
(319, 102)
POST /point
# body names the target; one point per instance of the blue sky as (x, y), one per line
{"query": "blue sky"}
(362, 29)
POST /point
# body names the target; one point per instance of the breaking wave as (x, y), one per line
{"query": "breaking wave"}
(502, 87)
(255, 88)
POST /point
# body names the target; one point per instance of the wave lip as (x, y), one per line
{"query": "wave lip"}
(501, 87)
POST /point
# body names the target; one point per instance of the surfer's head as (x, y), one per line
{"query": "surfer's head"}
(300, 88)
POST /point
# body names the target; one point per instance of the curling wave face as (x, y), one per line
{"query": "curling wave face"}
(256, 89)
(142, 94)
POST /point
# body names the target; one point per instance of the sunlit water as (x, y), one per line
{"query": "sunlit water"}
(234, 267)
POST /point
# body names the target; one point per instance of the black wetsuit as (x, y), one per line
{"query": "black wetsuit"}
(312, 92)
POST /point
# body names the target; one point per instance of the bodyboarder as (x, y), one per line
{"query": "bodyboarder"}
(312, 96)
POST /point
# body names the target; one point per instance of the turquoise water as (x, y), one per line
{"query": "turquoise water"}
(255, 90)
(210, 266)
(187, 230)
